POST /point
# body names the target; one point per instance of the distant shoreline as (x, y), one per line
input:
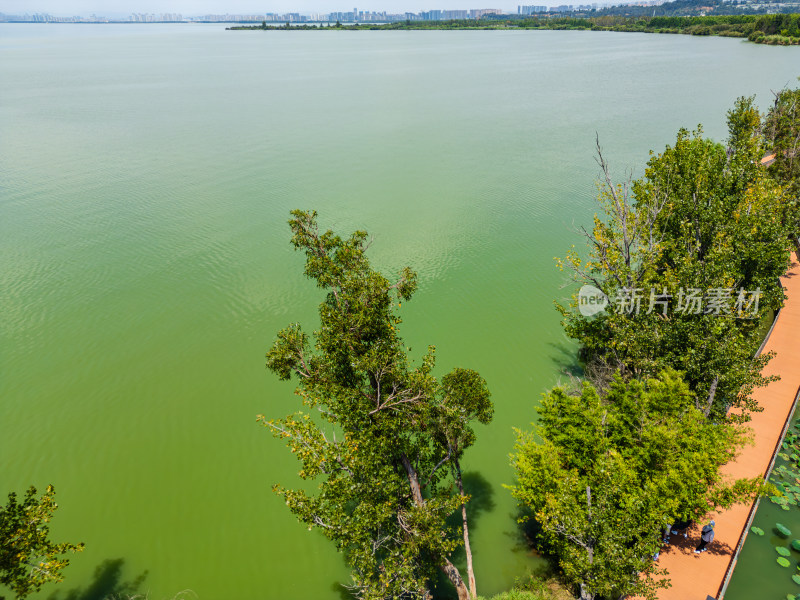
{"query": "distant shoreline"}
(775, 29)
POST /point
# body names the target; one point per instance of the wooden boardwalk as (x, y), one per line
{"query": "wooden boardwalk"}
(701, 576)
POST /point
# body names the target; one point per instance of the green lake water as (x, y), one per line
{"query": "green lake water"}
(146, 175)
(757, 572)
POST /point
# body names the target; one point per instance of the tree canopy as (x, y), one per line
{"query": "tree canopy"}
(603, 474)
(28, 559)
(782, 131)
(385, 438)
(690, 257)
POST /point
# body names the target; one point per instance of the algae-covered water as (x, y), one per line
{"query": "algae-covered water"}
(775, 527)
(146, 176)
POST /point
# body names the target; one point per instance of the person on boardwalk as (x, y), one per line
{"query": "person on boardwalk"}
(666, 535)
(680, 527)
(706, 537)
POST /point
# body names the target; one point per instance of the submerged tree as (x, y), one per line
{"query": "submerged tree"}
(28, 559)
(612, 469)
(385, 437)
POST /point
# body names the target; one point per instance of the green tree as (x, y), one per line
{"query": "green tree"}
(613, 469)
(28, 559)
(783, 135)
(704, 231)
(387, 438)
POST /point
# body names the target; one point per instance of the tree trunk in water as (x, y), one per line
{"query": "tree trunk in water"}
(448, 567)
(467, 549)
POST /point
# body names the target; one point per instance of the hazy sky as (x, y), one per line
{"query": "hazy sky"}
(197, 7)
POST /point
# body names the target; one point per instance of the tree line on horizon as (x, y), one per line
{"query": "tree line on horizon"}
(772, 29)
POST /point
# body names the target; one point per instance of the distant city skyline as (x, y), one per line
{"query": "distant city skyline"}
(122, 8)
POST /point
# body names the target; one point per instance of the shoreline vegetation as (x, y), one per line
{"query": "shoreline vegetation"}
(775, 30)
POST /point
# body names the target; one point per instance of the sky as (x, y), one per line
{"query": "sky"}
(120, 8)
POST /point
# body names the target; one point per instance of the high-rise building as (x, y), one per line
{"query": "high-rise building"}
(477, 13)
(531, 10)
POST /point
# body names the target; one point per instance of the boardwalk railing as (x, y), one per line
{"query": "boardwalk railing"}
(754, 508)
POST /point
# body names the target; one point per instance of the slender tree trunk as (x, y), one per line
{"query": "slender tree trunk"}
(446, 566)
(467, 549)
(711, 393)
(585, 594)
(455, 578)
(413, 481)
